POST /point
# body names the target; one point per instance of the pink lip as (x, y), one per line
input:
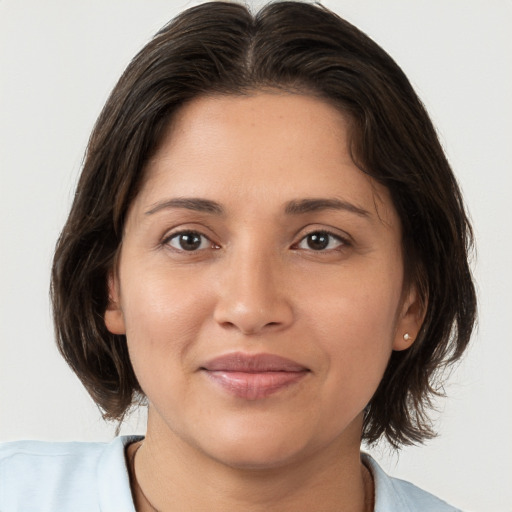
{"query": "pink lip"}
(253, 376)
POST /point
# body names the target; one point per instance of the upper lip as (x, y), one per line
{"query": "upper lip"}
(252, 363)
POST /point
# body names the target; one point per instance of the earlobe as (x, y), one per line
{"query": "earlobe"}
(114, 319)
(403, 343)
(410, 321)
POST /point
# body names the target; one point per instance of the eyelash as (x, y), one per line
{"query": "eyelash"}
(318, 234)
(173, 236)
(323, 234)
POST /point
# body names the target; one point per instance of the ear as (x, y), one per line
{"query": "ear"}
(114, 319)
(410, 319)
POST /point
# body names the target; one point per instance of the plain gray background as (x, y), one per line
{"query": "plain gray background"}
(58, 62)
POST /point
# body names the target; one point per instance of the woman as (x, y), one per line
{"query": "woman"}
(268, 245)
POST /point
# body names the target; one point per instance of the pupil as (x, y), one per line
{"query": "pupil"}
(190, 241)
(318, 241)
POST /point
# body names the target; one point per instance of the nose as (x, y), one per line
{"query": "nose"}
(253, 295)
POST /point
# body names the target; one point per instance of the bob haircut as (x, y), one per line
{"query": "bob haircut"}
(220, 48)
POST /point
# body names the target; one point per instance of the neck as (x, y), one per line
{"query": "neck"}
(170, 474)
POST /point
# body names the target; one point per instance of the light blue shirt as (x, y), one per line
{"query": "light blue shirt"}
(38, 476)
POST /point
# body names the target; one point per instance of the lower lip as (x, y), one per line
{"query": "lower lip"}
(254, 386)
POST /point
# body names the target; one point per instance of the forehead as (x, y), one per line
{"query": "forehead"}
(284, 123)
(266, 148)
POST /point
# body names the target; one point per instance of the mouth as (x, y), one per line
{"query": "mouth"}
(253, 377)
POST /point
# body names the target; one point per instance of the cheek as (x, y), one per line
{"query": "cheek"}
(356, 335)
(354, 326)
(356, 306)
(163, 316)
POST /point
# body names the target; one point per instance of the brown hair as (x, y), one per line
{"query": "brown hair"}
(221, 48)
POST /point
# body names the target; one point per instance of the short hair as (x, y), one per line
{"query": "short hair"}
(222, 48)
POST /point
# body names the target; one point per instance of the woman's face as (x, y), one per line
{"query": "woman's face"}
(260, 282)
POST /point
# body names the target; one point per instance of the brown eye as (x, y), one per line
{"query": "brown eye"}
(189, 241)
(320, 240)
(317, 241)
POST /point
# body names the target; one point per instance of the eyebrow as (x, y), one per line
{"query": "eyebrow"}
(294, 207)
(189, 203)
(314, 204)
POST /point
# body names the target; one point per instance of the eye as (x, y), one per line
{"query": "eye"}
(188, 241)
(321, 241)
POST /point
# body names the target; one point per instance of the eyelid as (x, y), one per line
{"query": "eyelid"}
(341, 242)
(174, 234)
(344, 239)
(336, 233)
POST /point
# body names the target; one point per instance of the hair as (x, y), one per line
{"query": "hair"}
(222, 48)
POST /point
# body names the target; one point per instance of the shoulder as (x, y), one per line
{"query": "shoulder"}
(393, 494)
(46, 476)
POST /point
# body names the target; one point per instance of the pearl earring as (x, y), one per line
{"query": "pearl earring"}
(407, 337)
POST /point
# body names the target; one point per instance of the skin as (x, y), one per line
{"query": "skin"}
(255, 285)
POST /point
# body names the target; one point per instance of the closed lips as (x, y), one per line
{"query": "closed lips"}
(253, 363)
(253, 377)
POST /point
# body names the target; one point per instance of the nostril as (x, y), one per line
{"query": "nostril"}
(228, 325)
(252, 310)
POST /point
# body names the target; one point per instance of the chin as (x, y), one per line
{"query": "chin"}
(262, 449)
(257, 458)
